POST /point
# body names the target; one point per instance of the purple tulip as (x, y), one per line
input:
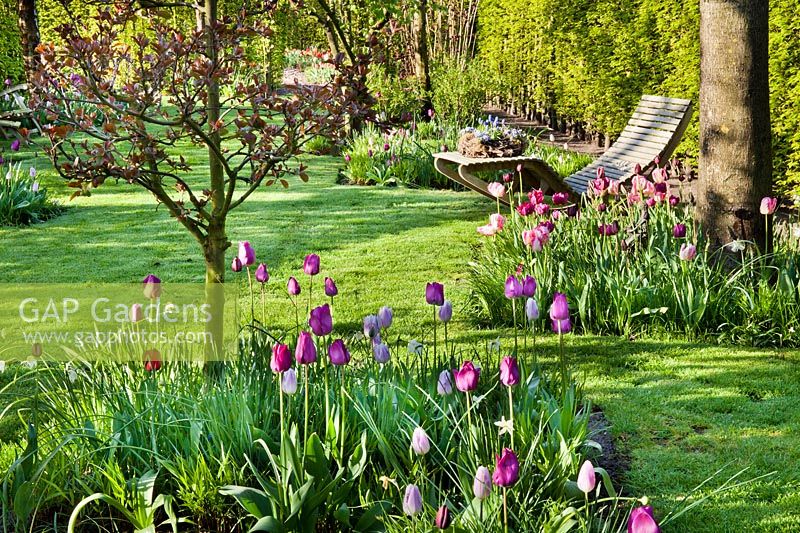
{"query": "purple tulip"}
(506, 471)
(281, 358)
(412, 501)
(466, 377)
(372, 327)
(330, 288)
(586, 477)
(289, 382)
(32, 172)
(673, 200)
(262, 274)
(444, 385)
(561, 326)
(531, 309)
(386, 147)
(385, 317)
(482, 484)
(420, 442)
(151, 287)
(442, 520)
(679, 231)
(293, 287)
(370, 153)
(338, 353)
(446, 311)
(380, 352)
(236, 264)
(528, 286)
(311, 265)
(560, 198)
(560, 308)
(247, 255)
(643, 521)
(509, 371)
(608, 230)
(15, 145)
(434, 293)
(320, 321)
(306, 352)
(572, 211)
(35, 186)
(687, 252)
(513, 287)
(137, 313)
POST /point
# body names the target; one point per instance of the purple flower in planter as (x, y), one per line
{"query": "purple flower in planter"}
(293, 287)
(643, 521)
(281, 358)
(306, 352)
(466, 377)
(320, 321)
(506, 471)
(509, 372)
(247, 255)
(330, 288)
(434, 293)
(311, 264)
(262, 274)
(151, 287)
(338, 353)
(513, 288)
(529, 286)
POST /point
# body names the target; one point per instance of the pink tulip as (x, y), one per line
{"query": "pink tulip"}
(487, 230)
(536, 196)
(560, 198)
(509, 372)
(236, 265)
(247, 255)
(687, 252)
(526, 208)
(506, 471)
(498, 190)
(586, 477)
(673, 200)
(497, 220)
(137, 314)
(281, 358)
(634, 198)
(659, 175)
(466, 377)
(768, 205)
(541, 209)
(643, 521)
(292, 286)
(613, 187)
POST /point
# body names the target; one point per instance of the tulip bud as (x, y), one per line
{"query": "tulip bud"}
(509, 371)
(506, 471)
(281, 358)
(444, 385)
(529, 286)
(306, 352)
(482, 484)
(338, 353)
(531, 310)
(586, 477)
(137, 313)
(446, 311)
(289, 381)
(262, 274)
(311, 264)
(434, 293)
(372, 327)
(330, 288)
(380, 352)
(768, 205)
(293, 287)
(320, 321)
(152, 361)
(513, 287)
(385, 316)
(679, 231)
(151, 287)
(412, 502)
(442, 520)
(643, 521)
(247, 255)
(687, 252)
(420, 442)
(236, 264)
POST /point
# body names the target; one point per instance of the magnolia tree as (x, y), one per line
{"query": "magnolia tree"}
(135, 106)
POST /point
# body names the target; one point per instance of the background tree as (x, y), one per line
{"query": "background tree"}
(28, 22)
(135, 105)
(735, 138)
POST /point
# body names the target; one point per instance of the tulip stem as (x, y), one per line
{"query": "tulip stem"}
(341, 413)
(505, 509)
(561, 356)
(310, 289)
(469, 419)
(305, 422)
(435, 358)
(511, 415)
(514, 319)
(280, 396)
(252, 305)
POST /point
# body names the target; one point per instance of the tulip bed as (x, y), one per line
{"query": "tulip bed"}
(680, 410)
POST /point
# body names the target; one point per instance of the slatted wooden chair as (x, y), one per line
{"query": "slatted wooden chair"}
(11, 119)
(654, 130)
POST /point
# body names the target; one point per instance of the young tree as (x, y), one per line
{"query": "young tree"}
(136, 105)
(735, 147)
(28, 23)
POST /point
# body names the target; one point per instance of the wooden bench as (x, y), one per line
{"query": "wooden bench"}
(11, 120)
(654, 130)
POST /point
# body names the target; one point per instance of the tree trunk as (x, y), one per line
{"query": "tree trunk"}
(735, 138)
(421, 57)
(28, 22)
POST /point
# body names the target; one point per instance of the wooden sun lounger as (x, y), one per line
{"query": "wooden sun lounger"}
(654, 130)
(11, 120)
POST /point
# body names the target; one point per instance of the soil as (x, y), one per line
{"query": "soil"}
(613, 459)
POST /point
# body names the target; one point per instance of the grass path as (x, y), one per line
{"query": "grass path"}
(678, 410)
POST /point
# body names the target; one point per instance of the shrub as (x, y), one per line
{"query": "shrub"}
(395, 97)
(23, 200)
(459, 94)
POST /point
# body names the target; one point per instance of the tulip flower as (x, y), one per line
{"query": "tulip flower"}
(412, 501)
(372, 327)
(347, 158)
(431, 113)
(487, 230)
(330, 288)
(442, 520)
(444, 385)
(247, 255)
(560, 198)
(528, 286)
(311, 264)
(531, 310)
(673, 200)
(380, 352)
(137, 313)
(679, 231)
(281, 358)
(509, 371)
(608, 230)
(506, 471)
(338, 353)
(151, 287)
(643, 521)
(35, 186)
(32, 172)
(586, 478)
(513, 287)
(560, 308)
(446, 311)
(289, 381)
(526, 208)
(687, 252)
(466, 377)
(293, 287)
(306, 352)
(497, 221)
(482, 484)
(320, 321)
(434, 293)
(152, 361)
(15, 145)
(420, 442)
(262, 274)
(386, 147)
(496, 189)
(768, 205)
(385, 316)
(236, 265)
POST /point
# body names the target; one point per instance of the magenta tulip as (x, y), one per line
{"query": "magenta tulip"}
(151, 287)
(442, 520)
(311, 264)
(247, 255)
(643, 521)
(281, 358)
(338, 353)
(768, 205)
(293, 287)
(506, 471)
(679, 231)
(560, 308)
(528, 286)
(466, 377)
(262, 274)
(306, 352)
(586, 477)
(434, 293)
(509, 371)
(15, 145)
(330, 288)
(673, 200)
(513, 288)
(320, 321)
(236, 265)
(560, 198)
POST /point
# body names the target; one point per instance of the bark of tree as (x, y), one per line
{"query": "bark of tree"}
(421, 55)
(28, 22)
(735, 136)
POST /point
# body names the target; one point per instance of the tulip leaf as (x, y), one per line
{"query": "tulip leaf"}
(252, 500)
(342, 514)
(267, 523)
(317, 463)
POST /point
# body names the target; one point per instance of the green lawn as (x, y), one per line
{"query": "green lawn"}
(679, 411)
